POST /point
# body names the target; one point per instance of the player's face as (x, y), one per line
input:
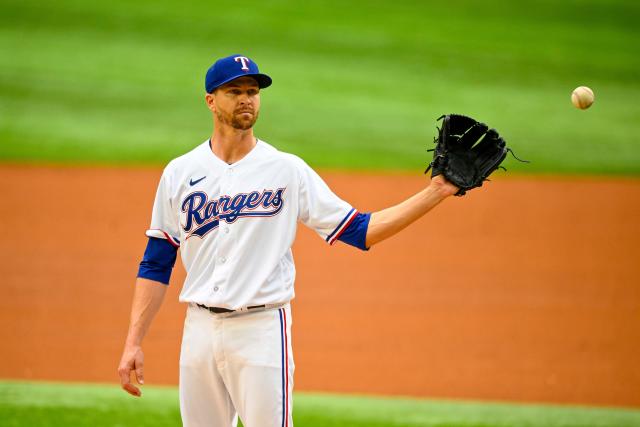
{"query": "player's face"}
(236, 103)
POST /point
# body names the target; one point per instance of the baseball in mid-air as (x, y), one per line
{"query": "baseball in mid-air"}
(582, 97)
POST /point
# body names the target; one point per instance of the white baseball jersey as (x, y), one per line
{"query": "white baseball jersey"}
(235, 224)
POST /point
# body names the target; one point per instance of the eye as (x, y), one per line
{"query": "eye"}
(235, 91)
(253, 92)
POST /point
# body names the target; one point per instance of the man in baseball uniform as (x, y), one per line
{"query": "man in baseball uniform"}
(231, 205)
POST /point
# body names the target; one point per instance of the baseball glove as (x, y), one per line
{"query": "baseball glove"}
(462, 156)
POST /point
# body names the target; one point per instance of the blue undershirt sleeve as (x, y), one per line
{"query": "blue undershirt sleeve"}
(158, 260)
(356, 233)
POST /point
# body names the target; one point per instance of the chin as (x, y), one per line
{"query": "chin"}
(243, 125)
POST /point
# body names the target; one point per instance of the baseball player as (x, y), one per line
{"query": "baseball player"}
(231, 205)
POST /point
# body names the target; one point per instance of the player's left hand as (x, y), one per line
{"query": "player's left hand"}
(443, 187)
(467, 152)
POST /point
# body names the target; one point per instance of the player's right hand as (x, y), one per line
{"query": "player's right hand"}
(132, 360)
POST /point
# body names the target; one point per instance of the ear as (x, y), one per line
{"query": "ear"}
(210, 100)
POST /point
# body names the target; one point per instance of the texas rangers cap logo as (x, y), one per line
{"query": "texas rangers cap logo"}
(244, 60)
(231, 67)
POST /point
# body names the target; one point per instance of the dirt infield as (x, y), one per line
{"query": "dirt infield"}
(541, 304)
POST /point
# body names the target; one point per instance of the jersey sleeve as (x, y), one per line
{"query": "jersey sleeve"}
(164, 217)
(356, 233)
(320, 209)
(158, 260)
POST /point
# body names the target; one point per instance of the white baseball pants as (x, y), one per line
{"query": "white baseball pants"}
(236, 364)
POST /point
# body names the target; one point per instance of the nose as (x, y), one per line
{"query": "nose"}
(244, 98)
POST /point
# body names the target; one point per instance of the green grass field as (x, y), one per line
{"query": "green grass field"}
(357, 84)
(49, 404)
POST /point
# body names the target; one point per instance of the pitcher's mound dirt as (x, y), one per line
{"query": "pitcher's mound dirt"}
(526, 289)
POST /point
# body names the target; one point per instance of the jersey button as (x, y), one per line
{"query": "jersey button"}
(216, 289)
(226, 231)
(223, 260)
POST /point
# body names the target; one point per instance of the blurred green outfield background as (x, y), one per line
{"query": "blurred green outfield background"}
(83, 405)
(357, 84)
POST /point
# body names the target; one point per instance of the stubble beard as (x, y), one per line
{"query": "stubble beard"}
(236, 123)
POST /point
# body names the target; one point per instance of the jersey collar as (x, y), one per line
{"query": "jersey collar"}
(218, 161)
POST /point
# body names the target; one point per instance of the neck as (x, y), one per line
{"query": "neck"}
(231, 145)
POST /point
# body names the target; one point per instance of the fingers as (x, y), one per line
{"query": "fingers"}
(125, 381)
(138, 364)
(128, 364)
(132, 390)
(139, 374)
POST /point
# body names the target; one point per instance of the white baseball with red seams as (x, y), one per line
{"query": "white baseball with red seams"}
(234, 225)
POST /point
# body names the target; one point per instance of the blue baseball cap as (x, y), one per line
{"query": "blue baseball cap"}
(231, 67)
